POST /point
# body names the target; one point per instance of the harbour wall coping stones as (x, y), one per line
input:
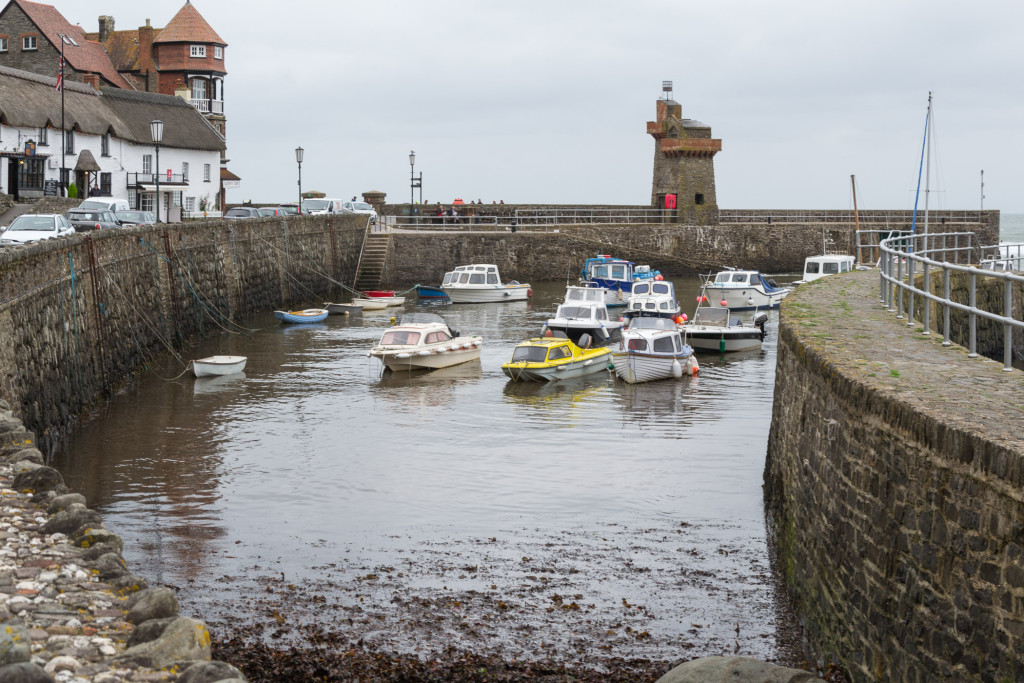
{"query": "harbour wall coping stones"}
(893, 486)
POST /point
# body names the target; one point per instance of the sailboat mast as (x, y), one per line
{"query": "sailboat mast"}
(856, 216)
(917, 193)
(928, 163)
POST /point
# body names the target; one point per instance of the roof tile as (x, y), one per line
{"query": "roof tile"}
(188, 26)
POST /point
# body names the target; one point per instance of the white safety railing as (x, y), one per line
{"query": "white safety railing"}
(903, 255)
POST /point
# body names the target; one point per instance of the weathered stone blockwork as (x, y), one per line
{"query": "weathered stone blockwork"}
(893, 485)
(79, 315)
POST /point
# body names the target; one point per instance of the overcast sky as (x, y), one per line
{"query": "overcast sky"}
(547, 102)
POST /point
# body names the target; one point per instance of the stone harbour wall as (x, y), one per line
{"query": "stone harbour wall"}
(894, 489)
(79, 315)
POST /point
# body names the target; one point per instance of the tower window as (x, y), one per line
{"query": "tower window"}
(197, 51)
(698, 198)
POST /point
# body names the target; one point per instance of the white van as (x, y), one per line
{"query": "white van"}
(317, 206)
(108, 203)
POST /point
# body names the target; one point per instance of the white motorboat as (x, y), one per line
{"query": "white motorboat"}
(343, 309)
(218, 365)
(424, 341)
(653, 298)
(653, 348)
(479, 283)
(743, 290)
(826, 264)
(584, 312)
(716, 329)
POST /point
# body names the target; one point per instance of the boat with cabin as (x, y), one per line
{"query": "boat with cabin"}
(424, 341)
(479, 283)
(825, 264)
(717, 329)
(653, 348)
(584, 312)
(617, 276)
(309, 315)
(743, 290)
(653, 298)
(547, 359)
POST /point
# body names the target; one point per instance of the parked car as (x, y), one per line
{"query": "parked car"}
(34, 227)
(135, 217)
(242, 212)
(289, 209)
(269, 211)
(108, 203)
(83, 220)
(360, 208)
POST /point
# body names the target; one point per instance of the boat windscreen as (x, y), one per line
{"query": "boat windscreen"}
(706, 315)
(529, 354)
(422, 318)
(649, 323)
(400, 338)
(574, 312)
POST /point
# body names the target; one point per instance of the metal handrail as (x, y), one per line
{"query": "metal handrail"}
(911, 250)
(825, 216)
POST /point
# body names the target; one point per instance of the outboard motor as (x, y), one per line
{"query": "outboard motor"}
(584, 342)
(760, 321)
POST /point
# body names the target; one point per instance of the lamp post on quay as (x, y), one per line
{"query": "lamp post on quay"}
(298, 159)
(156, 129)
(414, 182)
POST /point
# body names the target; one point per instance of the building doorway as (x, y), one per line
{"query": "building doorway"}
(12, 177)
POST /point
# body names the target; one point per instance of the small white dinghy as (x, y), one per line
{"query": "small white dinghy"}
(218, 365)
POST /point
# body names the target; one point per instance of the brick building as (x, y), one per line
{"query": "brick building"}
(684, 164)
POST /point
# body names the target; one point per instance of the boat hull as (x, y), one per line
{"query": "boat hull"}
(370, 304)
(429, 358)
(723, 339)
(343, 309)
(488, 294)
(745, 299)
(310, 315)
(430, 292)
(523, 372)
(635, 367)
(215, 366)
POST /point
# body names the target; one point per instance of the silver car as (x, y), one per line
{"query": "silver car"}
(33, 227)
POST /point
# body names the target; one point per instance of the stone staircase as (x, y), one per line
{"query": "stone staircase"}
(372, 261)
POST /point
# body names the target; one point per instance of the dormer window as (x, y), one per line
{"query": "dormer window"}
(218, 52)
(29, 43)
(197, 51)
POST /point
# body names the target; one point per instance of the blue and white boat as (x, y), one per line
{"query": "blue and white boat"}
(615, 275)
(309, 315)
(431, 293)
(743, 290)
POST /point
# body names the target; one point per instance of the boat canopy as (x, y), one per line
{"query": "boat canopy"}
(582, 312)
(422, 319)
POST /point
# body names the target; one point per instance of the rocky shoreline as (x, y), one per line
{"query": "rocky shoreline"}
(70, 609)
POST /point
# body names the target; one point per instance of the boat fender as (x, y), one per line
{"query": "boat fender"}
(677, 369)
(750, 301)
(403, 355)
(724, 303)
(529, 293)
(692, 367)
(423, 353)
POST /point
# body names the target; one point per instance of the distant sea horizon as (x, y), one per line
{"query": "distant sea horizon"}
(1011, 227)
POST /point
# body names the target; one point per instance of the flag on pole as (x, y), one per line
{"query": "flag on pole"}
(60, 75)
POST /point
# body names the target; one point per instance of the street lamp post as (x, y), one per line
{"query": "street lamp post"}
(298, 158)
(64, 40)
(156, 129)
(414, 181)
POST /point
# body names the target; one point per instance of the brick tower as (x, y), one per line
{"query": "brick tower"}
(684, 163)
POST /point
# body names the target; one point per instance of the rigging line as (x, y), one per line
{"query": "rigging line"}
(285, 270)
(314, 268)
(156, 332)
(245, 330)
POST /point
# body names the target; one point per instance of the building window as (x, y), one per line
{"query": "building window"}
(147, 163)
(29, 43)
(69, 142)
(190, 204)
(3, 43)
(105, 184)
(177, 198)
(32, 171)
(198, 51)
(133, 199)
(218, 52)
(206, 173)
(198, 89)
(43, 137)
(147, 201)
(184, 171)
(105, 145)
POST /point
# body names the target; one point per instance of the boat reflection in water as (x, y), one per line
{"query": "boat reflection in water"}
(213, 385)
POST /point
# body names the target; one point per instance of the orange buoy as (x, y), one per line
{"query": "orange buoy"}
(658, 277)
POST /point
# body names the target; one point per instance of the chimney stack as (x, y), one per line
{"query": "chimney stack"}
(93, 80)
(106, 27)
(146, 49)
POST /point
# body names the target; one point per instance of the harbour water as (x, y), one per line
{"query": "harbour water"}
(1011, 227)
(590, 518)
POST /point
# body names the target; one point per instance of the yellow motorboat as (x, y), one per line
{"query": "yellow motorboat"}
(553, 358)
